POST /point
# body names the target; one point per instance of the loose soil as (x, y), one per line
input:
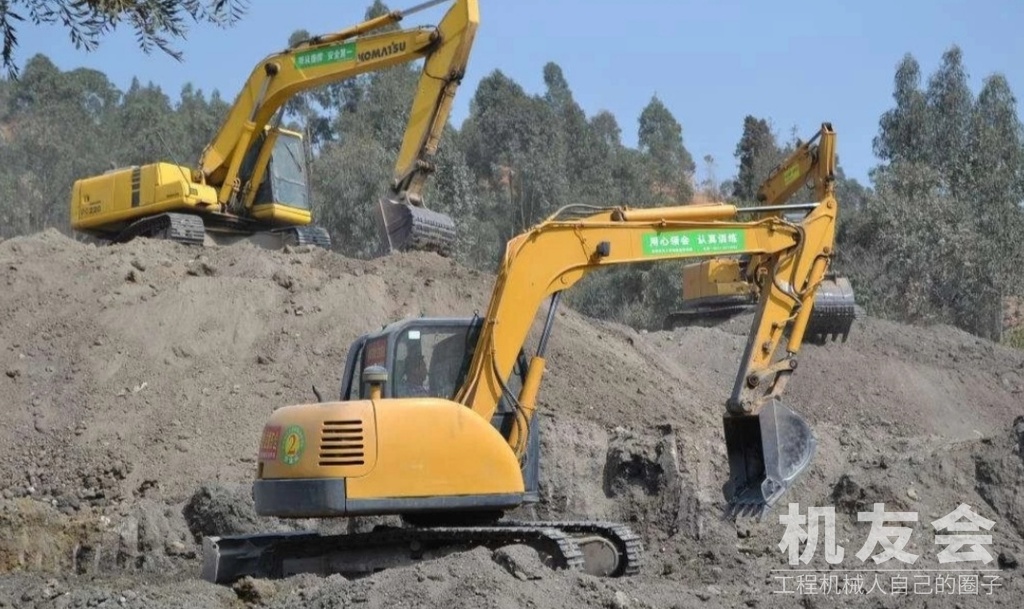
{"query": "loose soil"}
(136, 379)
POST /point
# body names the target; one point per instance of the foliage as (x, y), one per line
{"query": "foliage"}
(934, 238)
(939, 239)
(757, 152)
(59, 126)
(87, 21)
(1015, 338)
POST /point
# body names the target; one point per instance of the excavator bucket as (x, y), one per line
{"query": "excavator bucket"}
(767, 452)
(410, 227)
(834, 310)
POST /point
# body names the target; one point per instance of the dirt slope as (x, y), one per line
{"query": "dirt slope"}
(135, 375)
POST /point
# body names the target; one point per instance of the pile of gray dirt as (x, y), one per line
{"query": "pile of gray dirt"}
(137, 378)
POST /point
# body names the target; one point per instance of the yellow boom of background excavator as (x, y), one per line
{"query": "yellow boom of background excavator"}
(724, 286)
(435, 421)
(251, 180)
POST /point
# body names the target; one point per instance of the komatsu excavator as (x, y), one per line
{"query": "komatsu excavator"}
(723, 286)
(435, 421)
(252, 178)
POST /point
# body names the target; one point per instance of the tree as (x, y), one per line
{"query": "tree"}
(950, 107)
(995, 182)
(154, 21)
(757, 152)
(588, 155)
(942, 229)
(903, 130)
(660, 138)
(58, 127)
(514, 143)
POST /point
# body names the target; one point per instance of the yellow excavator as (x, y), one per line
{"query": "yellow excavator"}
(435, 421)
(721, 287)
(252, 178)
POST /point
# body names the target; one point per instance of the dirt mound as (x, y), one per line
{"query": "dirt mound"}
(137, 378)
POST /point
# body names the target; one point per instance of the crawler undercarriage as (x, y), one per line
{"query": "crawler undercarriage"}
(599, 548)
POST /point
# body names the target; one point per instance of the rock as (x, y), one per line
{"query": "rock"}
(521, 561)
(1007, 560)
(128, 541)
(40, 424)
(912, 494)
(254, 591)
(177, 548)
(215, 510)
(621, 601)
(1018, 432)
(197, 268)
(137, 264)
(283, 279)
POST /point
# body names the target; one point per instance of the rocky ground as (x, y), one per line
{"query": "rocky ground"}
(136, 379)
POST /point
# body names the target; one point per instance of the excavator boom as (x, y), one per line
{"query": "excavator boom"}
(252, 176)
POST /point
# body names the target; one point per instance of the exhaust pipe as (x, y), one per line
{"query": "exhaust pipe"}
(411, 227)
(767, 452)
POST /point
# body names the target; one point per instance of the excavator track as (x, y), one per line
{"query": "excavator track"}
(706, 315)
(305, 235)
(182, 228)
(628, 545)
(278, 555)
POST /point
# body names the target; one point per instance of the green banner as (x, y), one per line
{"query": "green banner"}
(326, 55)
(699, 241)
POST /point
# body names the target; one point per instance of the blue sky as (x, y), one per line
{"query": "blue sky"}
(797, 63)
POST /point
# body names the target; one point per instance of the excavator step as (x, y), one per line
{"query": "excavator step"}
(598, 548)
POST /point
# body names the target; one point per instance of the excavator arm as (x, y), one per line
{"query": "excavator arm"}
(226, 162)
(813, 160)
(768, 444)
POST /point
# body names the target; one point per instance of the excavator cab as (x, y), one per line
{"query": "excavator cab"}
(445, 346)
(283, 196)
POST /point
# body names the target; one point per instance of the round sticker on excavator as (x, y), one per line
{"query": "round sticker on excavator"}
(293, 442)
